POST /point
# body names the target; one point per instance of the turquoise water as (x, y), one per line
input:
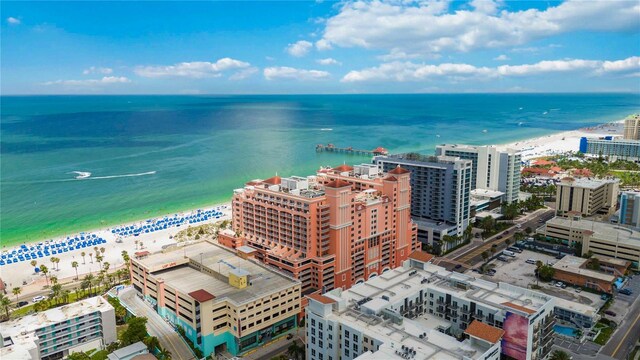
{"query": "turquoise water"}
(563, 330)
(153, 155)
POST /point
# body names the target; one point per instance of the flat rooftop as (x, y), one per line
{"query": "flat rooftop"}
(484, 193)
(586, 183)
(574, 265)
(221, 262)
(432, 224)
(601, 230)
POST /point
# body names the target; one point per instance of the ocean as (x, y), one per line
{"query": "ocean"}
(76, 163)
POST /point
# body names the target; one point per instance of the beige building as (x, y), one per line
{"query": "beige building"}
(221, 300)
(604, 239)
(586, 196)
(632, 127)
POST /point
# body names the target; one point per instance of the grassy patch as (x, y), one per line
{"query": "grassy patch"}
(100, 355)
(604, 335)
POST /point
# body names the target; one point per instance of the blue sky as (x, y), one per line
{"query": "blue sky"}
(319, 47)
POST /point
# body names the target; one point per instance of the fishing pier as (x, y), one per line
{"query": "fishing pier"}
(350, 150)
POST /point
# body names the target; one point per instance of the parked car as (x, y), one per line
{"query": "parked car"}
(514, 249)
(457, 266)
(499, 236)
(38, 298)
(610, 313)
(502, 258)
(530, 261)
(564, 286)
(604, 296)
(559, 256)
(626, 291)
(508, 253)
(559, 284)
(578, 289)
(22, 303)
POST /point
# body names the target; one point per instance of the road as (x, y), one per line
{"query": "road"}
(627, 334)
(473, 256)
(157, 326)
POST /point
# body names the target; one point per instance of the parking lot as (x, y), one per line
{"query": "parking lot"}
(517, 272)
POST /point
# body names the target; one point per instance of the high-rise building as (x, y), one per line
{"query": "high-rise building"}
(56, 333)
(492, 169)
(331, 230)
(630, 208)
(632, 127)
(440, 191)
(222, 300)
(420, 310)
(586, 196)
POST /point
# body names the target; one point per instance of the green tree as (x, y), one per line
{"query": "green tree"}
(45, 270)
(468, 232)
(164, 354)
(560, 355)
(55, 292)
(83, 254)
(136, 331)
(33, 263)
(16, 291)
(87, 282)
(594, 264)
(91, 257)
(152, 343)
(74, 264)
(295, 351)
(546, 272)
(5, 304)
(485, 255)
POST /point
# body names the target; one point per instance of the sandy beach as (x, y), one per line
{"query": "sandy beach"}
(562, 142)
(16, 273)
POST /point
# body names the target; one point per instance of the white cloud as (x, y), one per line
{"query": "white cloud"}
(107, 80)
(299, 49)
(13, 21)
(196, 69)
(427, 27)
(502, 57)
(323, 44)
(244, 73)
(285, 72)
(328, 61)
(408, 71)
(97, 70)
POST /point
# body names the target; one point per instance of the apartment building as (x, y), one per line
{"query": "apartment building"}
(222, 301)
(492, 169)
(56, 333)
(440, 192)
(339, 227)
(611, 147)
(632, 127)
(602, 239)
(586, 196)
(423, 307)
(629, 209)
(573, 270)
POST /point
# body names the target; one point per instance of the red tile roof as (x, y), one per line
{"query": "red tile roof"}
(543, 162)
(390, 178)
(398, 170)
(276, 180)
(201, 295)
(484, 331)
(141, 253)
(343, 168)
(421, 256)
(519, 307)
(321, 298)
(337, 184)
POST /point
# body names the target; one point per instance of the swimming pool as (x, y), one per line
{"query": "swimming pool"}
(564, 330)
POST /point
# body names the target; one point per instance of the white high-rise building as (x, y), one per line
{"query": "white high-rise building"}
(492, 169)
(56, 333)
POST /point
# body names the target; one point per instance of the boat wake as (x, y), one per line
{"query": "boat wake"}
(326, 129)
(81, 176)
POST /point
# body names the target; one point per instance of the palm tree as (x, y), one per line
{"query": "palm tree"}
(136, 244)
(53, 279)
(45, 271)
(89, 281)
(65, 296)
(295, 351)
(560, 355)
(33, 263)
(102, 250)
(55, 292)
(485, 255)
(164, 354)
(91, 256)
(126, 258)
(5, 304)
(16, 291)
(105, 266)
(53, 262)
(152, 343)
(74, 264)
(83, 255)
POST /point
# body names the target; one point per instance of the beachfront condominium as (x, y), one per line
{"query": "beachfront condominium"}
(632, 127)
(222, 301)
(440, 191)
(586, 196)
(422, 311)
(600, 238)
(611, 147)
(629, 208)
(492, 169)
(330, 230)
(55, 333)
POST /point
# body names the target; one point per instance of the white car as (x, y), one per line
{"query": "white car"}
(559, 284)
(38, 298)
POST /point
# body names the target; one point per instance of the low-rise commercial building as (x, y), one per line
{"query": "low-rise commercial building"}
(131, 352)
(56, 333)
(586, 196)
(418, 309)
(575, 271)
(221, 300)
(603, 239)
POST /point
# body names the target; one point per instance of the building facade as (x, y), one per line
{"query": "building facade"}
(492, 169)
(440, 193)
(574, 270)
(331, 230)
(56, 333)
(613, 148)
(603, 239)
(629, 208)
(222, 301)
(586, 196)
(632, 127)
(422, 307)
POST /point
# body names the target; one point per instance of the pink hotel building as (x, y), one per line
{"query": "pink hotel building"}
(332, 230)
